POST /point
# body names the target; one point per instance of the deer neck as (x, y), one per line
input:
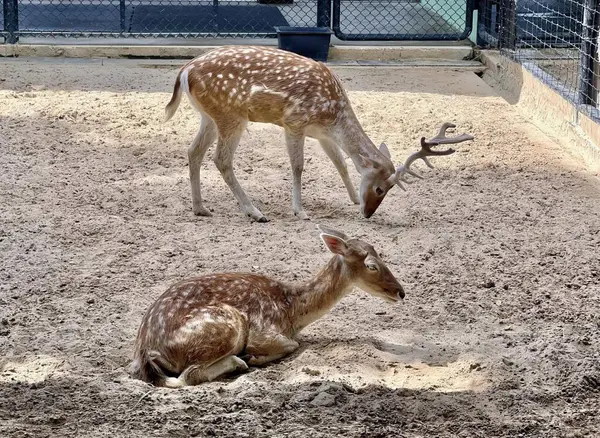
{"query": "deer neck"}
(312, 300)
(354, 141)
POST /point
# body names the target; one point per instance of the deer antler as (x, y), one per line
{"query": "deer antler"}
(426, 151)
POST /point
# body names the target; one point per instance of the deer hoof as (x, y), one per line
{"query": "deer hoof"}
(241, 365)
(201, 211)
(255, 215)
(302, 215)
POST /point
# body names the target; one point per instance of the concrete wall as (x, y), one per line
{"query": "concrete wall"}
(550, 111)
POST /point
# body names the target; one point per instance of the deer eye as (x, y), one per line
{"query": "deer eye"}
(378, 191)
(371, 267)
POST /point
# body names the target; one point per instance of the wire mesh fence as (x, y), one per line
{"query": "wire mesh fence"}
(556, 40)
(350, 19)
(402, 20)
(155, 18)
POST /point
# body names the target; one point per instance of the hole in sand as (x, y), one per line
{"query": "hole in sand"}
(409, 365)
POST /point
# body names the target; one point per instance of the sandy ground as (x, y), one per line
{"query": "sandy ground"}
(497, 249)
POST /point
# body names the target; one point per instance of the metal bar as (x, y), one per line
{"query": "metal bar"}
(11, 20)
(216, 15)
(507, 35)
(589, 49)
(87, 34)
(122, 14)
(487, 24)
(323, 13)
(402, 37)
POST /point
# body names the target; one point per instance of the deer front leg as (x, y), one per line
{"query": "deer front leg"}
(295, 147)
(229, 139)
(335, 155)
(263, 348)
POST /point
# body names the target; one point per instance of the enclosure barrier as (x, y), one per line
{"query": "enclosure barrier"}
(555, 40)
(350, 19)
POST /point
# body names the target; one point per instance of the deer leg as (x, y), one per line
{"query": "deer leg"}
(205, 346)
(334, 153)
(204, 138)
(263, 348)
(226, 147)
(195, 375)
(295, 147)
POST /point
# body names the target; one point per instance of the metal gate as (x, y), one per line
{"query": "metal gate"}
(417, 20)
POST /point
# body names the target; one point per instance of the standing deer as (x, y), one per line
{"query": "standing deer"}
(233, 85)
(204, 327)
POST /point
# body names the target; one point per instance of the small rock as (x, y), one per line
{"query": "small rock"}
(311, 372)
(489, 284)
(323, 399)
(91, 301)
(507, 362)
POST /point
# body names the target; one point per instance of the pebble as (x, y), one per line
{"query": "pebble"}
(323, 399)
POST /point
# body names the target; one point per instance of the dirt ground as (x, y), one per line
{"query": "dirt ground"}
(498, 251)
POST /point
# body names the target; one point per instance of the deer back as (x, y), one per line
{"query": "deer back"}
(263, 84)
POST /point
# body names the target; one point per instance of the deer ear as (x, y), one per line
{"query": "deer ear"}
(384, 150)
(367, 162)
(335, 244)
(326, 230)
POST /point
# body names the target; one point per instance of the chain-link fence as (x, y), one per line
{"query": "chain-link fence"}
(556, 40)
(350, 19)
(402, 20)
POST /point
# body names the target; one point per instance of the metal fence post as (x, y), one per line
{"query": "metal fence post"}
(507, 34)
(122, 10)
(11, 20)
(588, 93)
(323, 13)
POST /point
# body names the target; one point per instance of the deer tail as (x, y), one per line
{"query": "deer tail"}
(176, 97)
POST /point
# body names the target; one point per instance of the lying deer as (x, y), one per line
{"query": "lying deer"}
(204, 327)
(231, 86)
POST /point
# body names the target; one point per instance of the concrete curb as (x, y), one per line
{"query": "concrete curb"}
(337, 53)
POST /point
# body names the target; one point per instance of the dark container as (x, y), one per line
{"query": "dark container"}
(312, 42)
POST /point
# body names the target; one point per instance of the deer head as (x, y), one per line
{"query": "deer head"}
(379, 176)
(363, 264)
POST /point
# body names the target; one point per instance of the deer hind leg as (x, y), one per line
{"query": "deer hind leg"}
(229, 139)
(334, 153)
(194, 375)
(206, 346)
(263, 348)
(295, 147)
(205, 137)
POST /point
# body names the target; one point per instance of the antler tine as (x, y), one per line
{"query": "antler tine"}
(426, 151)
(442, 139)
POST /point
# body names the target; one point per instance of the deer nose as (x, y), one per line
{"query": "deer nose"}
(400, 292)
